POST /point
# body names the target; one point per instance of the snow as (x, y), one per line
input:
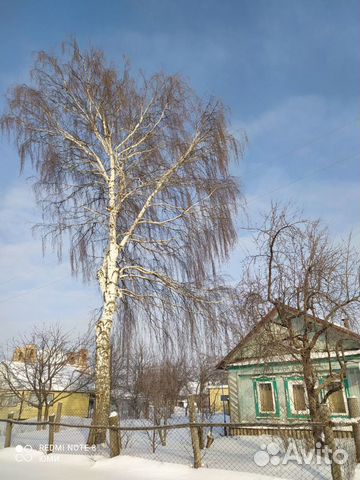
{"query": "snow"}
(76, 467)
(69, 375)
(229, 454)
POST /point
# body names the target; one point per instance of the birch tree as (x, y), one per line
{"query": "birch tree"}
(134, 173)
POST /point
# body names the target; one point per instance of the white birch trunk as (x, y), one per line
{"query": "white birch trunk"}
(108, 281)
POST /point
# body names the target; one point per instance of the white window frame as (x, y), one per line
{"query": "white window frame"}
(290, 384)
(260, 382)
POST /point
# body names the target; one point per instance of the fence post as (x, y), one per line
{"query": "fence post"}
(114, 432)
(50, 446)
(9, 426)
(194, 433)
(354, 412)
(330, 440)
(58, 417)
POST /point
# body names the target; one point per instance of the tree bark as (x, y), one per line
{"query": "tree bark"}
(46, 415)
(21, 405)
(39, 416)
(314, 404)
(103, 381)
(108, 282)
(194, 432)
(324, 412)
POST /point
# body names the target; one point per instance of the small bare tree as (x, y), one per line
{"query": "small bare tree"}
(204, 373)
(297, 269)
(44, 367)
(136, 172)
(128, 368)
(161, 383)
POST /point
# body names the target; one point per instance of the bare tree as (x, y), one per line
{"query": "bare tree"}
(44, 367)
(297, 269)
(128, 369)
(161, 382)
(135, 172)
(204, 373)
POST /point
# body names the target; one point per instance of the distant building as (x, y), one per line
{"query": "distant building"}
(68, 387)
(218, 399)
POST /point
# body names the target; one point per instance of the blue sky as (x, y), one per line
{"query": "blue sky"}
(287, 69)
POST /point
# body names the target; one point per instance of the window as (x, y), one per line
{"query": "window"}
(34, 400)
(296, 397)
(266, 400)
(337, 403)
(299, 397)
(266, 397)
(9, 400)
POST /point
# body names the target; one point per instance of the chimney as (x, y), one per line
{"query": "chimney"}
(18, 355)
(71, 358)
(78, 359)
(346, 322)
(26, 354)
(84, 358)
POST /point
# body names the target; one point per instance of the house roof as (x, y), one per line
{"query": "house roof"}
(191, 388)
(270, 316)
(69, 378)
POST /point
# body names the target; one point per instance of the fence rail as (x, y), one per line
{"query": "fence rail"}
(231, 446)
(267, 425)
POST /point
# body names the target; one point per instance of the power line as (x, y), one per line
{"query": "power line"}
(310, 142)
(33, 289)
(9, 280)
(315, 139)
(300, 179)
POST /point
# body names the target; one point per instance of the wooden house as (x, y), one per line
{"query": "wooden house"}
(266, 384)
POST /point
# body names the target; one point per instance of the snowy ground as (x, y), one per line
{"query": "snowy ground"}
(76, 467)
(235, 454)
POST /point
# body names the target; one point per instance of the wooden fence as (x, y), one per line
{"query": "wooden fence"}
(290, 431)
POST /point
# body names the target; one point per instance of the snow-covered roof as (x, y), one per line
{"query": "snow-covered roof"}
(191, 388)
(217, 386)
(68, 378)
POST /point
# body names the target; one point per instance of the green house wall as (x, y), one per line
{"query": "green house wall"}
(242, 380)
